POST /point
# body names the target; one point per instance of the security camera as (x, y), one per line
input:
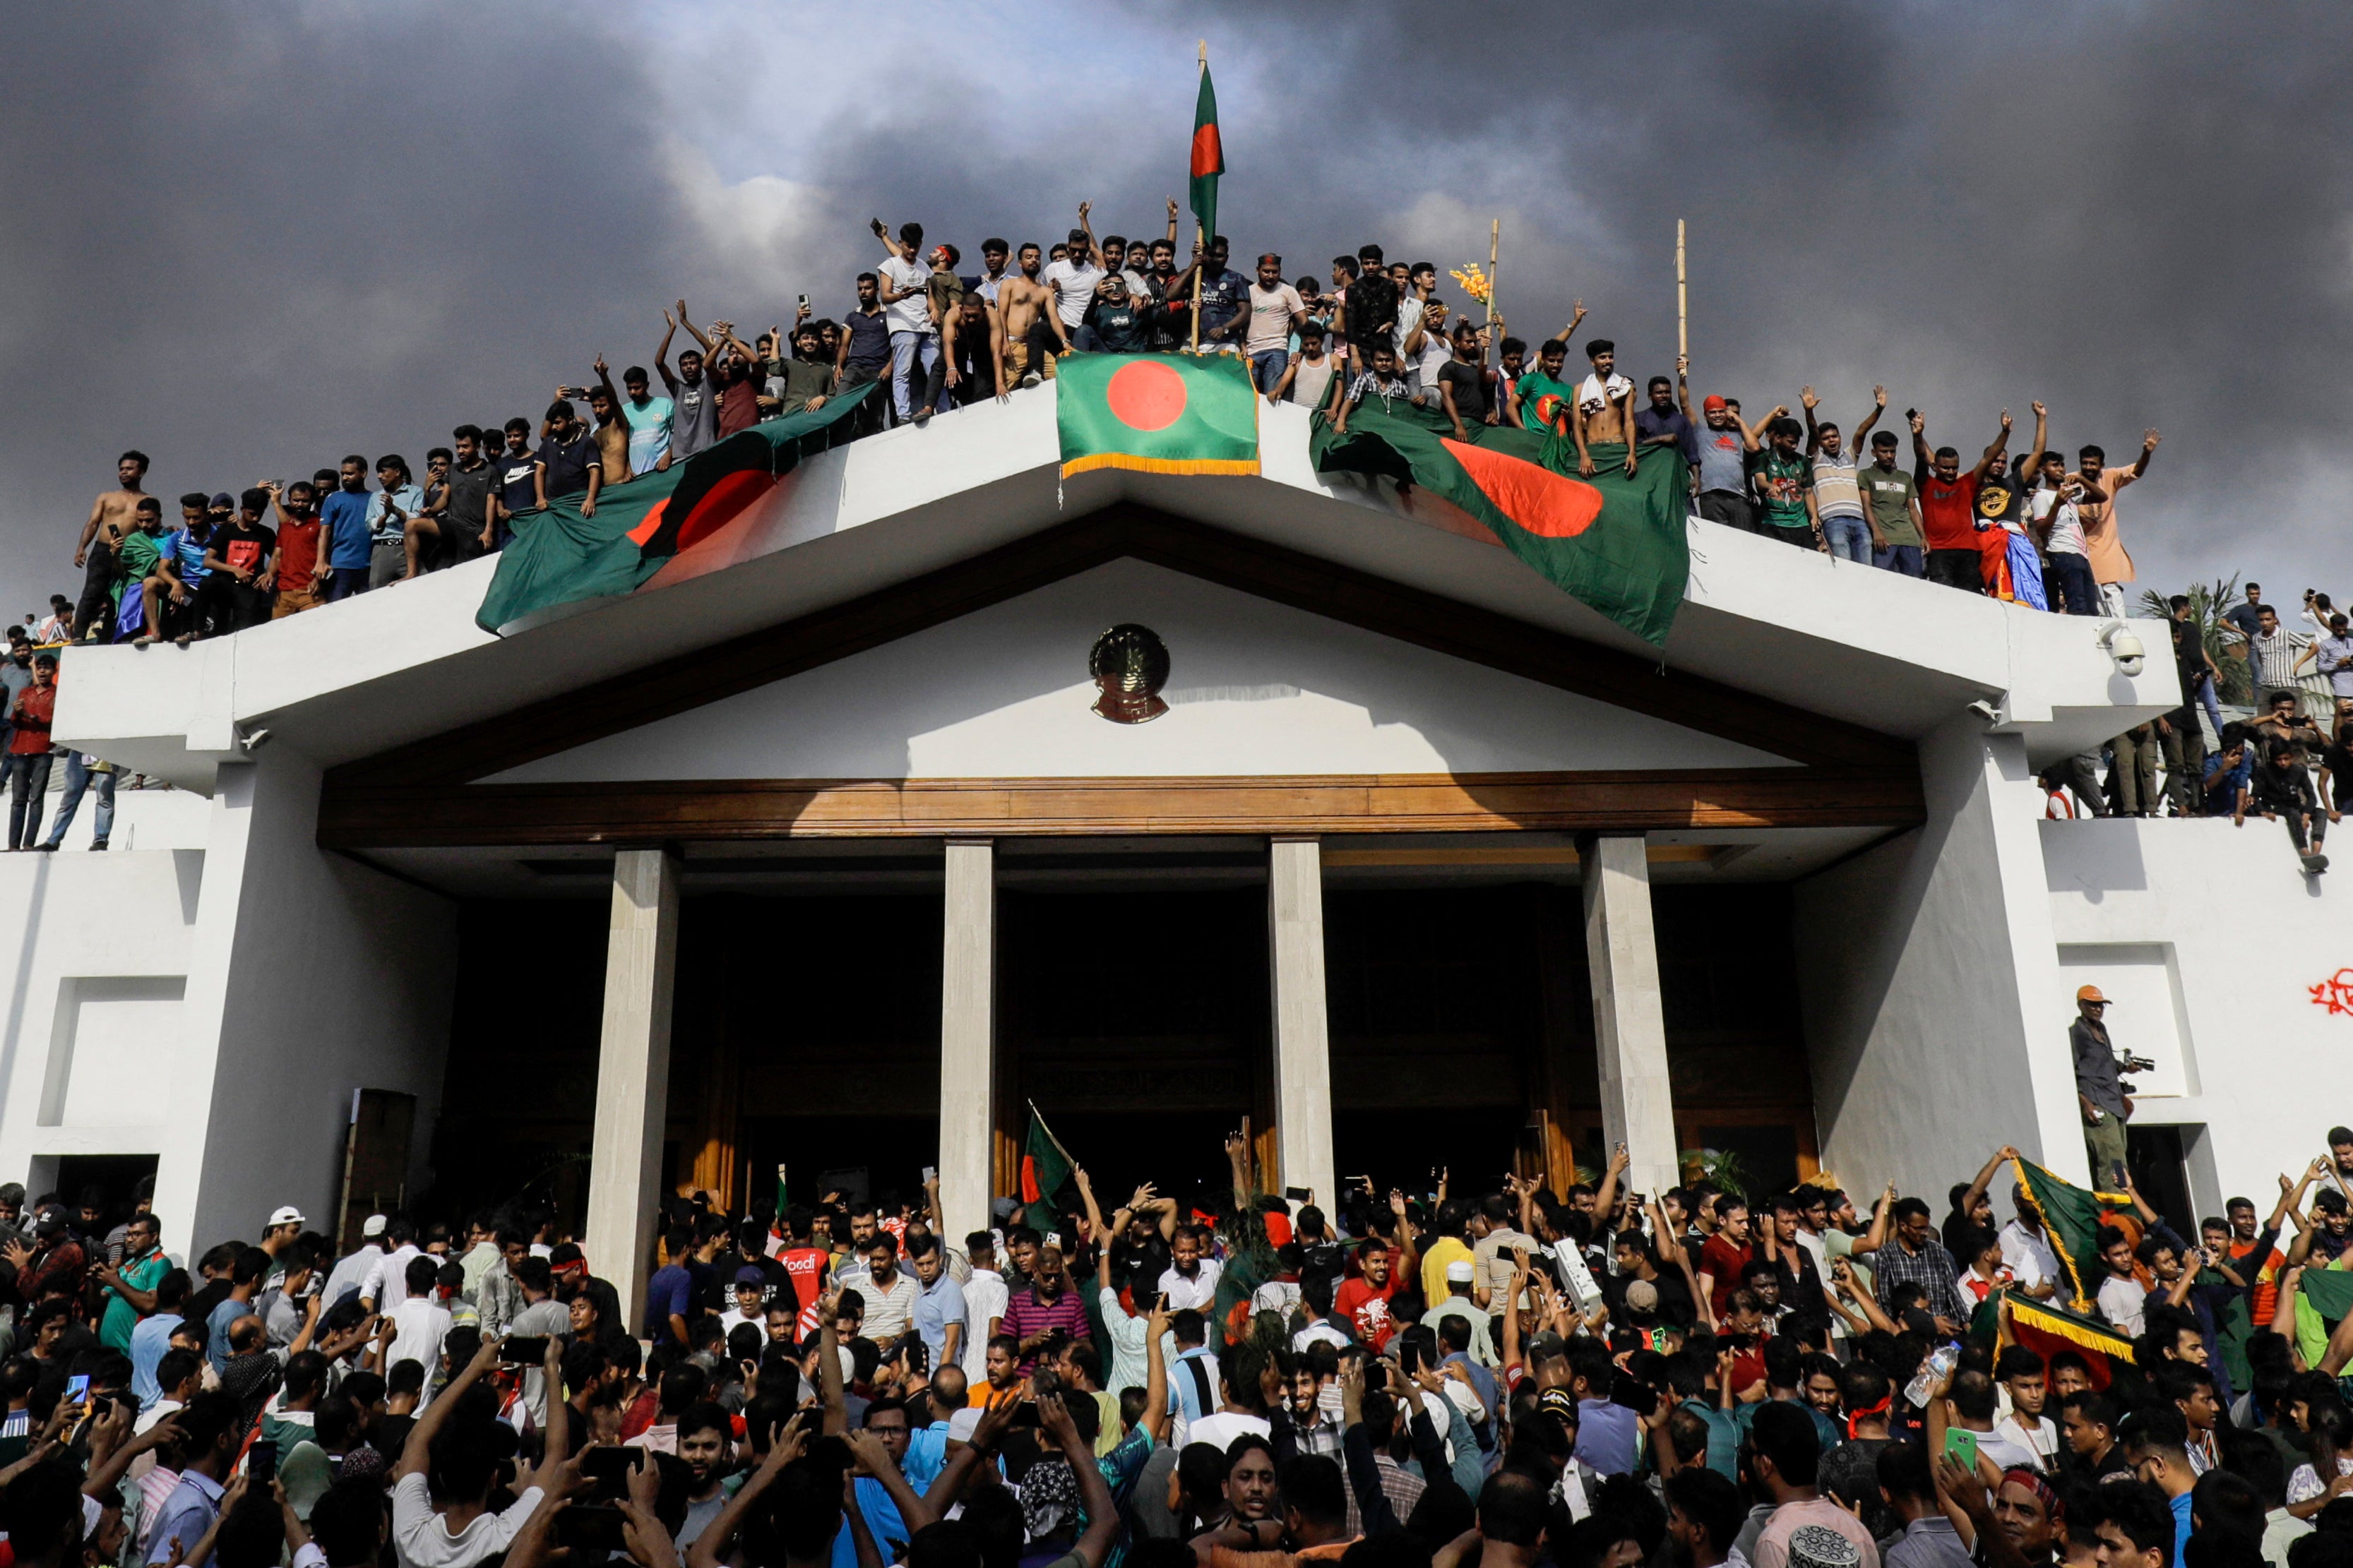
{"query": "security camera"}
(2123, 647)
(1987, 711)
(252, 741)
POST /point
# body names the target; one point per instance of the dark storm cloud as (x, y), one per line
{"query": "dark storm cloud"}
(250, 238)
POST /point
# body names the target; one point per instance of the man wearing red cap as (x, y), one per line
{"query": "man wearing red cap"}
(2099, 1088)
(1725, 450)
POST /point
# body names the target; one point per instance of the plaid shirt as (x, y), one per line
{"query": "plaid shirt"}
(1932, 1268)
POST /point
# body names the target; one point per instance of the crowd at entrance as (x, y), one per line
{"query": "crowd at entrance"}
(1508, 1369)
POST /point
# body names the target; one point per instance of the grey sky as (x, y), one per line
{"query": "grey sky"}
(251, 237)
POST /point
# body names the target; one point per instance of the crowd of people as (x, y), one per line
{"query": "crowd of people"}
(1515, 1376)
(929, 338)
(2280, 762)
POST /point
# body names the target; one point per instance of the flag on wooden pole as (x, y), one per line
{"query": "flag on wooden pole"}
(1209, 154)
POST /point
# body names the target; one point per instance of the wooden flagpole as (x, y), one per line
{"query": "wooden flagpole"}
(1682, 300)
(1494, 252)
(1200, 239)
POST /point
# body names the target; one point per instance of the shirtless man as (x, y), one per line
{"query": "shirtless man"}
(1022, 304)
(612, 428)
(111, 516)
(1605, 408)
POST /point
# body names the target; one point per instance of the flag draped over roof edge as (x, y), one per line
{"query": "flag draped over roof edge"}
(1046, 1166)
(1160, 414)
(1616, 541)
(561, 560)
(2072, 1218)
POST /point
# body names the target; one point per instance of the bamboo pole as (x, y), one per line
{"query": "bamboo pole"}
(1682, 300)
(1494, 248)
(1200, 239)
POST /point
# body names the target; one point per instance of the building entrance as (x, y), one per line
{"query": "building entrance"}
(1137, 1021)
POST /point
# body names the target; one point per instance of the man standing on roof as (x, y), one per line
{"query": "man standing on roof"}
(2099, 1088)
(1949, 506)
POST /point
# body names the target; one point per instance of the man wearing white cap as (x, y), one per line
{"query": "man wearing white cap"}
(285, 1224)
(352, 1272)
(2099, 1087)
(1457, 1304)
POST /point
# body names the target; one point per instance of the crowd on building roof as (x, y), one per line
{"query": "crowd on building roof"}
(930, 339)
(1522, 1374)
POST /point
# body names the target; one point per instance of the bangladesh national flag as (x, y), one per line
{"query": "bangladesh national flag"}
(1046, 1166)
(560, 561)
(1209, 156)
(1161, 413)
(2072, 1218)
(2046, 1329)
(1615, 541)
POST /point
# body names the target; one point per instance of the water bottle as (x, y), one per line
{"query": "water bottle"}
(1933, 1371)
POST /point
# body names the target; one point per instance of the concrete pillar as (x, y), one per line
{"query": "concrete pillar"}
(633, 1073)
(1629, 1024)
(968, 1036)
(1303, 1038)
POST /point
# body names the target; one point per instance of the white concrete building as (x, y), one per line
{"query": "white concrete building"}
(815, 853)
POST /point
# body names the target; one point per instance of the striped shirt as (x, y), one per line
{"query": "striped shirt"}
(2274, 658)
(1026, 1315)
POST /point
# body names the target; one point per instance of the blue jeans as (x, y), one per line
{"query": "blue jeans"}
(914, 357)
(1267, 367)
(1903, 558)
(1850, 538)
(2071, 575)
(80, 777)
(2206, 699)
(342, 582)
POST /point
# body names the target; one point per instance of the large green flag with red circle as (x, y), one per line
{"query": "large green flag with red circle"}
(568, 557)
(1616, 541)
(1160, 414)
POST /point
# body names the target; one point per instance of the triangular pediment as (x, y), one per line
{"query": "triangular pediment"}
(968, 686)
(1254, 687)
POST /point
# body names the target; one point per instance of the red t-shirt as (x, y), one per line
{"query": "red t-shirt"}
(297, 551)
(36, 705)
(1725, 1261)
(804, 1265)
(1948, 511)
(1367, 1309)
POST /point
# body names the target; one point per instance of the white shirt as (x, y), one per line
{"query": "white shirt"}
(2028, 1256)
(1225, 1426)
(1197, 1292)
(420, 1539)
(1320, 1333)
(387, 1280)
(912, 313)
(984, 1296)
(1408, 317)
(1271, 310)
(2122, 1302)
(1275, 1296)
(1074, 284)
(420, 1324)
(351, 1273)
(2066, 525)
(2015, 1443)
